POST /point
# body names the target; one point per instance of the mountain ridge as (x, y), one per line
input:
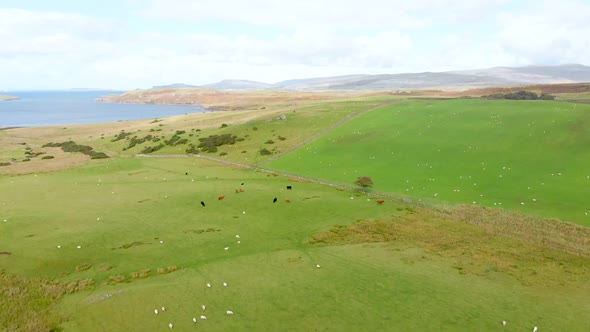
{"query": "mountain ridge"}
(474, 78)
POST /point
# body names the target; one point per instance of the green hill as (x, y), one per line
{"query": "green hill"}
(520, 155)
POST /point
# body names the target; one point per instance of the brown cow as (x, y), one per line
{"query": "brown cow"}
(220, 198)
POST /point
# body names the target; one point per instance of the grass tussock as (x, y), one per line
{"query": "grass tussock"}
(83, 267)
(130, 245)
(169, 269)
(474, 241)
(141, 274)
(117, 279)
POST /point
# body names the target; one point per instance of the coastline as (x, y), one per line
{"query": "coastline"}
(8, 98)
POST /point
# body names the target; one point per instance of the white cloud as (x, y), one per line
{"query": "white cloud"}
(309, 38)
(552, 32)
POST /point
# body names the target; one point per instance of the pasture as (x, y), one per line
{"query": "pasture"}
(98, 245)
(118, 211)
(530, 157)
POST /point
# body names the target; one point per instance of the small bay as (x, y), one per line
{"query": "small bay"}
(48, 108)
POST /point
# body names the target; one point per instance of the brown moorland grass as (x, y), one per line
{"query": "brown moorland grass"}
(29, 304)
(481, 242)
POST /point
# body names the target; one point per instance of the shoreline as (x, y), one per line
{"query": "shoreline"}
(205, 108)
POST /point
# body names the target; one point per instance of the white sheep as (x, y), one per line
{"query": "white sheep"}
(170, 325)
(203, 317)
(58, 247)
(535, 329)
(224, 284)
(156, 311)
(163, 309)
(317, 265)
(237, 236)
(78, 247)
(226, 248)
(194, 319)
(209, 285)
(503, 323)
(229, 312)
(203, 307)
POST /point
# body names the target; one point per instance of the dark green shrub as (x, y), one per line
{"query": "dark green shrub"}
(265, 152)
(282, 138)
(223, 125)
(181, 141)
(151, 149)
(47, 157)
(210, 144)
(120, 136)
(4, 164)
(223, 154)
(269, 142)
(192, 149)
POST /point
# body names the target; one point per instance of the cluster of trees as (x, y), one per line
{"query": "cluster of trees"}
(71, 146)
(210, 144)
(521, 95)
(135, 140)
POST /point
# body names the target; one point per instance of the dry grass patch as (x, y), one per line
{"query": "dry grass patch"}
(29, 304)
(141, 274)
(83, 267)
(479, 246)
(169, 269)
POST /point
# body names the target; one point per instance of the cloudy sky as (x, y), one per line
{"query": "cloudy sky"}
(128, 44)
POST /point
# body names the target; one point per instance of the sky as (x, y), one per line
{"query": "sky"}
(128, 44)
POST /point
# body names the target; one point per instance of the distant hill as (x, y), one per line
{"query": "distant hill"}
(237, 85)
(464, 79)
(498, 76)
(175, 86)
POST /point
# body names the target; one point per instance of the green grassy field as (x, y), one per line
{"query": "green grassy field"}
(146, 242)
(273, 283)
(525, 156)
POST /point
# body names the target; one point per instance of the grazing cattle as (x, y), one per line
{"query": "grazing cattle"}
(202, 203)
(274, 200)
(380, 201)
(289, 187)
(220, 198)
(287, 200)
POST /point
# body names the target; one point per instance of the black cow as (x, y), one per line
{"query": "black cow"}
(289, 187)
(186, 173)
(274, 200)
(202, 203)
